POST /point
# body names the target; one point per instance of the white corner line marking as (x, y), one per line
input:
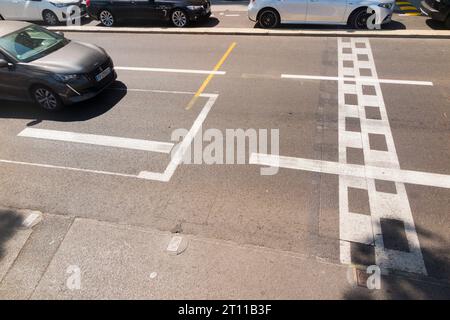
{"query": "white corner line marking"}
(192, 71)
(177, 156)
(360, 79)
(100, 140)
(354, 170)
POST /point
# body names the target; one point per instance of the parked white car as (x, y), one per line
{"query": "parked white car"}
(355, 13)
(50, 11)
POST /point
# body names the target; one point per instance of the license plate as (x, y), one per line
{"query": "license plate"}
(102, 75)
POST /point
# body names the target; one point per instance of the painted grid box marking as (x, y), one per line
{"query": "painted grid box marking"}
(355, 227)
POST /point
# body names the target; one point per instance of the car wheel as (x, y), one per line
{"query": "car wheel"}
(447, 22)
(358, 19)
(179, 18)
(1, 17)
(107, 18)
(50, 18)
(269, 18)
(46, 98)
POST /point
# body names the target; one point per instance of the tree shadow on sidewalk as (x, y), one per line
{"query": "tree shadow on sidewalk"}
(406, 286)
(10, 222)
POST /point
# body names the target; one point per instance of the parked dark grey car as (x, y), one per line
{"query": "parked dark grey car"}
(438, 10)
(179, 12)
(42, 66)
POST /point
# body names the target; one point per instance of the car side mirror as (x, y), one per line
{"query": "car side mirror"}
(3, 63)
(6, 64)
(60, 33)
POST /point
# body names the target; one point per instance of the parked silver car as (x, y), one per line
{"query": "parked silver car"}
(356, 13)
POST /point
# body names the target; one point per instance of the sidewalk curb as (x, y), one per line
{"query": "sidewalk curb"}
(422, 34)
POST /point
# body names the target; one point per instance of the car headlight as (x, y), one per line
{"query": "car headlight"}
(67, 77)
(386, 5)
(194, 7)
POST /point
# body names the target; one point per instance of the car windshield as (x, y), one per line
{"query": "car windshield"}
(31, 43)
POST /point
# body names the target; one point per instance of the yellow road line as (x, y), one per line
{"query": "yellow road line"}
(408, 8)
(412, 14)
(403, 2)
(210, 76)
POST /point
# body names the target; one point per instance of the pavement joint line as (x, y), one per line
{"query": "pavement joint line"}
(99, 140)
(169, 70)
(210, 76)
(359, 79)
(426, 34)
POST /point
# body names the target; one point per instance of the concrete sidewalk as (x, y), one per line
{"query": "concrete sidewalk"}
(127, 262)
(438, 34)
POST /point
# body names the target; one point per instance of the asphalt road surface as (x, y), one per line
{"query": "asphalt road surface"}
(365, 168)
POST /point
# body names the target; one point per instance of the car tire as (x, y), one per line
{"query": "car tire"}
(268, 19)
(1, 17)
(358, 19)
(46, 98)
(50, 18)
(447, 22)
(106, 18)
(179, 18)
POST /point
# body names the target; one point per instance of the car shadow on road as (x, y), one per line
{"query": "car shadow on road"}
(83, 111)
(83, 21)
(393, 25)
(10, 223)
(435, 25)
(207, 23)
(404, 286)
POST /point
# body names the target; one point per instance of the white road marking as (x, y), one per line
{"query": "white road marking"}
(192, 71)
(353, 170)
(177, 156)
(169, 171)
(49, 166)
(358, 227)
(232, 15)
(32, 219)
(99, 140)
(177, 245)
(359, 79)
